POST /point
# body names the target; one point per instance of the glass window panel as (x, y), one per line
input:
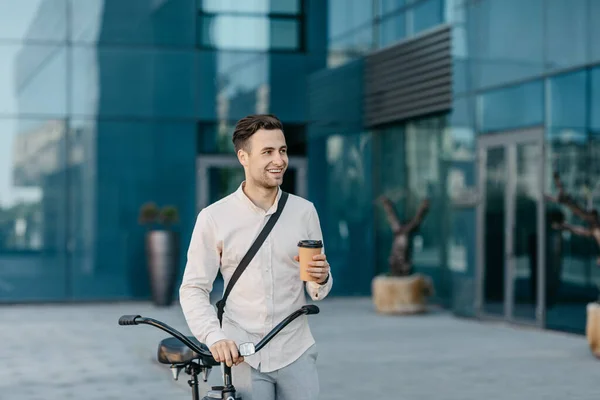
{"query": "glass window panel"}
(360, 13)
(167, 22)
(568, 100)
(392, 29)
(284, 34)
(566, 28)
(500, 55)
(32, 209)
(362, 40)
(337, 18)
(390, 180)
(346, 214)
(33, 79)
(33, 20)
(247, 33)
(426, 14)
(387, 6)
(461, 146)
(513, 107)
(595, 100)
(251, 6)
(131, 82)
(242, 84)
(593, 33)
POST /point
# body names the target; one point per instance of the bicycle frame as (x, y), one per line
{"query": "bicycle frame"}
(194, 369)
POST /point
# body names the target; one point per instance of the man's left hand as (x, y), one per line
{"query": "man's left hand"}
(318, 267)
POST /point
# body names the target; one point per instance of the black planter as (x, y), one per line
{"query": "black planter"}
(162, 254)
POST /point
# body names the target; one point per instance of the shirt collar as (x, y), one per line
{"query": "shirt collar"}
(246, 200)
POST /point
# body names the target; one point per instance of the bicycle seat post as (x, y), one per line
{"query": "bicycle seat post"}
(193, 382)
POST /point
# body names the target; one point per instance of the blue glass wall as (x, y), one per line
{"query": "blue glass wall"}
(100, 106)
(356, 27)
(541, 72)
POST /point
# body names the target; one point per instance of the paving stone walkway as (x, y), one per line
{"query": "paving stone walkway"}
(80, 352)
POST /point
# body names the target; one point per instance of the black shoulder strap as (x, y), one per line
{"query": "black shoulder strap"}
(250, 254)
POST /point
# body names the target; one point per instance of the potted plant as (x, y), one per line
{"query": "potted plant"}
(162, 250)
(401, 291)
(592, 230)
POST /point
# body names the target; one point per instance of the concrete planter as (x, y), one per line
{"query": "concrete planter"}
(592, 329)
(162, 253)
(401, 294)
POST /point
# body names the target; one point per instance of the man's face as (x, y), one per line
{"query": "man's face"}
(265, 158)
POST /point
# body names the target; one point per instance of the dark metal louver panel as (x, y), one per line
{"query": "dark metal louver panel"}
(409, 79)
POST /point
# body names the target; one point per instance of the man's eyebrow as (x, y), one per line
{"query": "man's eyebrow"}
(273, 148)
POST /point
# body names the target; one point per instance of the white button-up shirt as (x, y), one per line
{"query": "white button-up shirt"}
(267, 291)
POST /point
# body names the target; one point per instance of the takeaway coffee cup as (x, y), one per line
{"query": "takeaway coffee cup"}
(306, 250)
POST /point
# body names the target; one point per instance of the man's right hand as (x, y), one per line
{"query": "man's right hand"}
(226, 351)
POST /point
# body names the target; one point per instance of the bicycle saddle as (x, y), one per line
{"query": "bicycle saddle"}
(173, 351)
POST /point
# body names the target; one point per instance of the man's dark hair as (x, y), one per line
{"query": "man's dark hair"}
(249, 125)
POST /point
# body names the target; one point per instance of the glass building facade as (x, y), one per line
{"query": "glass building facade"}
(108, 104)
(525, 96)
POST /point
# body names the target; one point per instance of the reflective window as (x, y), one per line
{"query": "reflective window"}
(426, 14)
(116, 166)
(595, 100)
(345, 16)
(512, 107)
(167, 22)
(568, 100)
(461, 144)
(425, 180)
(499, 54)
(32, 208)
(392, 29)
(593, 33)
(251, 6)
(337, 22)
(409, 167)
(33, 79)
(388, 6)
(346, 216)
(131, 82)
(350, 46)
(33, 20)
(242, 85)
(249, 32)
(389, 177)
(566, 33)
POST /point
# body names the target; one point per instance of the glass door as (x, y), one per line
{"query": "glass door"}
(510, 211)
(220, 175)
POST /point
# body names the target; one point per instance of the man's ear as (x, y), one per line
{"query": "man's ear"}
(242, 157)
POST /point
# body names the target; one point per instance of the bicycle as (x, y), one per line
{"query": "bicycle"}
(186, 353)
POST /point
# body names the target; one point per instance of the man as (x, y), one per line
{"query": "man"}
(270, 288)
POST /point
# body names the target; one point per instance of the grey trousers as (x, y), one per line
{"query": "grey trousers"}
(297, 381)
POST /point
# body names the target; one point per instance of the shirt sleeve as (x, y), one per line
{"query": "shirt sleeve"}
(203, 260)
(316, 290)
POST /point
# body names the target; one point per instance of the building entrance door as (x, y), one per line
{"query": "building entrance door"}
(510, 223)
(220, 175)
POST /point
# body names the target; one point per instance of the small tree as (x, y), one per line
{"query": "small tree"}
(400, 263)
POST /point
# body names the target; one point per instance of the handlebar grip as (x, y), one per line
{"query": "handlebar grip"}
(128, 319)
(310, 309)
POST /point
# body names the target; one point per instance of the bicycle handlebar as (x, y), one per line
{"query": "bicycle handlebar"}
(138, 319)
